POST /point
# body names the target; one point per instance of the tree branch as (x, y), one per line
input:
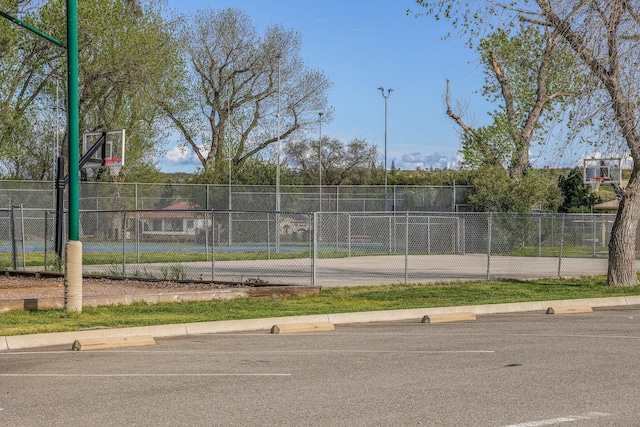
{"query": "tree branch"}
(486, 149)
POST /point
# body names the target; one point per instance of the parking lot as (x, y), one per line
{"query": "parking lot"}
(525, 369)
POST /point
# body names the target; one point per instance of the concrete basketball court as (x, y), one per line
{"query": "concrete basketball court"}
(382, 269)
(520, 369)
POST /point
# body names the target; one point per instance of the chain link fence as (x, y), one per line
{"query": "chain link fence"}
(132, 196)
(304, 248)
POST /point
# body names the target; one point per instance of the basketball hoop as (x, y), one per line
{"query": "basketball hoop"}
(595, 182)
(104, 149)
(114, 164)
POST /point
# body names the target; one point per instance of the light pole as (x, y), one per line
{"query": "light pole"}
(381, 89)
(229, 225)
(278, 144)
(229, 139)
(278, 167)
(320, 163)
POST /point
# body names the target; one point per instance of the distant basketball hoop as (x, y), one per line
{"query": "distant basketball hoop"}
(114, 164)
(602, 170)
(595, 182)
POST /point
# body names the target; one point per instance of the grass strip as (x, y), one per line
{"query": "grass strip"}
(330, 300)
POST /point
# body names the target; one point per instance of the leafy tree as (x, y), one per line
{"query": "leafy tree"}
(433, 177)
(525, 71)
(575, 193)
(145, 172)
(603, 34)
(237, 83)
(127, 59)
(496, 192)
(255, 171)
(28, 63)
(342, 164)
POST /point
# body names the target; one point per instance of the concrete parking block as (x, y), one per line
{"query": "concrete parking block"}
(570, 309)
(292, 328)
(449, 317)
(114, 342)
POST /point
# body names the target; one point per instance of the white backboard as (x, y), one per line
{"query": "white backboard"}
(113, 150)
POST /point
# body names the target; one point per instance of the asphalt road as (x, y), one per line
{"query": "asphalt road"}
(525, 369)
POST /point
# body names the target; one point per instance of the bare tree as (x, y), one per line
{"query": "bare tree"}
(341, 163)
(236, 85)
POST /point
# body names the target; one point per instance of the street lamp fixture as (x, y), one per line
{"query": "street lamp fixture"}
(381, 89)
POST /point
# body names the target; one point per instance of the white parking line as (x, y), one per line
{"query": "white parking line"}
(139, 375)
(149, 352)
(545, 422)
(569, 418)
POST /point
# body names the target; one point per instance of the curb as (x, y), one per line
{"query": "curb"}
(19, 342)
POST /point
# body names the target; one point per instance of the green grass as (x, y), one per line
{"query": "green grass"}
(330, 300)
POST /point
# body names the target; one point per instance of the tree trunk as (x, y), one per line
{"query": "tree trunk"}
(622, 246)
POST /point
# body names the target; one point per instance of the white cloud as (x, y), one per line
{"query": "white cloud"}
(176, 155)
(427, 161)
(181, 156)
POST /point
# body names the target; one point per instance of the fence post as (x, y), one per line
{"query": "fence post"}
(213, 246)
(395, 200)
(539, 236)
(230, 228)
(124, 243)
(14, 249)
(453, 205)
(406, 249)
(428, 235)
(593, 232)
(314, 252)
(46, 220)
(137, 231)
(389, 231)
(561, 244)
(337, 230)
(489, 220)
(206, 235)
(348, 235)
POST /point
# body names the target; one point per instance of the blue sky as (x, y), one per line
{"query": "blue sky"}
(363, 45)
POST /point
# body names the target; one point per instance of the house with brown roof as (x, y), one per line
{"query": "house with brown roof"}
(180, 219)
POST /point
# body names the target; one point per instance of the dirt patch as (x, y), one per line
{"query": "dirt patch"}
(25, 287)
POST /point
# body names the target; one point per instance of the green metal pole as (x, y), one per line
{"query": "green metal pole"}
(73, 258)
(73, 112)
(30, 28)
